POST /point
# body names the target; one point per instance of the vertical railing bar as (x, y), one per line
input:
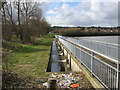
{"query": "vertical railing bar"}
(92, 54)
(80, 53)
(117, 82)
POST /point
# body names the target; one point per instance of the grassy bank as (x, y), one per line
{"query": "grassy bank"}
(27, 60)
(24, 66)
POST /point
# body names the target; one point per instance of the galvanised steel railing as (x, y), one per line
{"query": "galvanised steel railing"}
(105, 73)
(107, 49)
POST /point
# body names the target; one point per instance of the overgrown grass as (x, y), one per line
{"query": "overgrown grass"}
(28, 60)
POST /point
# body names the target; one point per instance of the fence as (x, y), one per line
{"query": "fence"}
(105, 73)
(107, 49)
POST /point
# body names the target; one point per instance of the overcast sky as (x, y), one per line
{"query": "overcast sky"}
(82, 13)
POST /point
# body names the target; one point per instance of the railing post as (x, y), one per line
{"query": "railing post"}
(118, 76)
(80, 53)
(92, 54)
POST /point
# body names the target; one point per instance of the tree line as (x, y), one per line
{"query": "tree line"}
(23, 20)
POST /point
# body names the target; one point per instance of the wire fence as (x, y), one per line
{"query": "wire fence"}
(105, 73)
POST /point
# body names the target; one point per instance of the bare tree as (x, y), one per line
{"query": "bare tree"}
(6, 27)
(28, 20)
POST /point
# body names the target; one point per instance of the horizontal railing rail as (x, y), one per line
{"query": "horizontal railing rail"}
(109, 50)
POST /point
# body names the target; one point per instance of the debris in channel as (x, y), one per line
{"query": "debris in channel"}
(70, 80)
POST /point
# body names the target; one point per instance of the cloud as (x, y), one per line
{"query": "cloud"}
(61, 0)
(85, 14)
(51, 12)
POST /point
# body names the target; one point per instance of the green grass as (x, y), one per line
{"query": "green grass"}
(31, 60)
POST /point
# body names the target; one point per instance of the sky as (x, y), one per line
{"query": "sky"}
(82, 13)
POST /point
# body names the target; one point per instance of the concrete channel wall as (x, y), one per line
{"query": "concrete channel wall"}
(76, 66)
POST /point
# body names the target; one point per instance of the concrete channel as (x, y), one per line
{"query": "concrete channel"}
(55, 66)
(56, 62)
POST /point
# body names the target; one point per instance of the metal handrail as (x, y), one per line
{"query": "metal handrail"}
(105, 51)
(105, 73)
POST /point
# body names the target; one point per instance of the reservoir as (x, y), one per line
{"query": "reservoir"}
(107, 39)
